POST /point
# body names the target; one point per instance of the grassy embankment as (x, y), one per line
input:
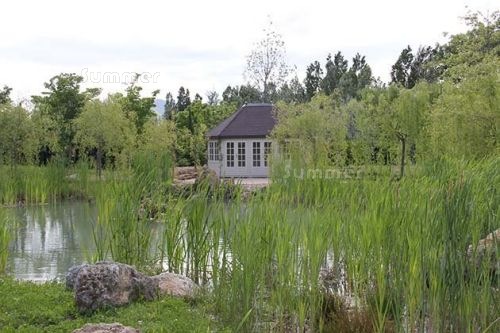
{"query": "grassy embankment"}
(29, 307)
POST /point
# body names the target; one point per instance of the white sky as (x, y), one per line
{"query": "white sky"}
(202, 45)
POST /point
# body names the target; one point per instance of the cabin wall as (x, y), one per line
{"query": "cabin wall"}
(251, 164)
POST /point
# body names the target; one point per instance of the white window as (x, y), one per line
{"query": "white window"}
(211, 150)
(230, 154)
(241, 154)
(267, 152)
(256, 154)
(216, 151)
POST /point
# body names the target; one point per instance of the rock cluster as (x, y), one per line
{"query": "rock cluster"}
(110, 284)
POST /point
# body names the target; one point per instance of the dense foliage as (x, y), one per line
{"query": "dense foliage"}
(441, 100)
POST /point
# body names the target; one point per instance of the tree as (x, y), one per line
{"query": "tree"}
(169, 108)
(404, 114)
(465, 119)
(240, 95)
(47, 135)
(191, 126)
(424, 66)
(410, 69)
(358, 77)
(183, 99)
(231, 95)
(64, 102)
(402, 70)
(103, 128)
(136, 108)
(292, 92)
(314, 132)
(249, 94)
(212, 97)
(158, 137)
(335, 69)
(266, 63)
(313, 79)
(468, 50)
(370, 141)
(18, 142)
(5, 95)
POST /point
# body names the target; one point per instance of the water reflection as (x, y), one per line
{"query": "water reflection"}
(50, 239)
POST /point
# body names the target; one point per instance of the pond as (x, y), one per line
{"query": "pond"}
(49, 239)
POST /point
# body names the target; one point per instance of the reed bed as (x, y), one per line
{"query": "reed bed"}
(395, 251)
(29, 184)
(126, 202)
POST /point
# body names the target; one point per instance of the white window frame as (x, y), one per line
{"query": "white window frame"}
(256, 156)
(216, 151)
(230, 154)
(211, 153)
(241, 154)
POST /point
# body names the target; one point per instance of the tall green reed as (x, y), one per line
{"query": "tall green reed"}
(4, 240)
(29, 184)
(123, 230)
(401, 245)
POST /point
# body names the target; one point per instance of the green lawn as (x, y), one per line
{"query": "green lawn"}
(49, 307)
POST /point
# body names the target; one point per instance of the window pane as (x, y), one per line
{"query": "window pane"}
(241, 154)
(217, 151)
(230, 154)
(211, 151)
(256, 154)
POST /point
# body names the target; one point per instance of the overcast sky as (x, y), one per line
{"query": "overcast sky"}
(203, 45)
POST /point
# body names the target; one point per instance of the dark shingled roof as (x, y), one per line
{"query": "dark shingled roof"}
(250, 121)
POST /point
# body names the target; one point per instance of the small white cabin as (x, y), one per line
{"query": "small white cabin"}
(239, 146)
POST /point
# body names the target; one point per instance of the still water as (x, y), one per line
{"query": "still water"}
(49, 239)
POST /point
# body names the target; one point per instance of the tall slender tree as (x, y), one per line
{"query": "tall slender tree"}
(335, 69)
(5, 95)
(138, 108)
(183, 99)
(266, 63)
(169, 108)
(358, 77)
(313, 79)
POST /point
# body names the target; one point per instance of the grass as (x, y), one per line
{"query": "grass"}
(29, 307)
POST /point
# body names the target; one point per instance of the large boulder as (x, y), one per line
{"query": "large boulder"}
(175, 285)
(110, 284)
(106, 328)
(72, 274)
